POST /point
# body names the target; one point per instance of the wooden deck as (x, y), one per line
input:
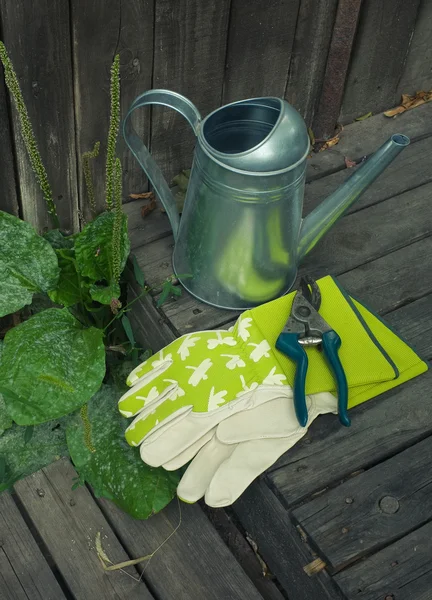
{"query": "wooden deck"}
(359, 499)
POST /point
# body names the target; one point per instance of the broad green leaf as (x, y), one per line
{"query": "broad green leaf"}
(51, 365)
(5, 419)
(21, 458)
(28, 264)
(58, 240)
(104, 294)
(94, 248)
(115, 469)
(68, 290)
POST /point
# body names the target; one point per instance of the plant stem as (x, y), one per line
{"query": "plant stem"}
(88, 176)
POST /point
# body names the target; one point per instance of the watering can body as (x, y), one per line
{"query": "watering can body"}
(241, 234)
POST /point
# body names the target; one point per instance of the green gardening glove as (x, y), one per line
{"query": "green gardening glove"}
(196, 382)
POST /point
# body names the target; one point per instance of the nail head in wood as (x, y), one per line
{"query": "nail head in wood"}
(389, 505)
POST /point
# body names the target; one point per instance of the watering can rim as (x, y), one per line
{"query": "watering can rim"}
(217, 156)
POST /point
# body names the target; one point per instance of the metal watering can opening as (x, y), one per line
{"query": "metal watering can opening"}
(241, 235)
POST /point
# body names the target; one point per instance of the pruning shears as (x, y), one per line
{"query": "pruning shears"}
(305, 327)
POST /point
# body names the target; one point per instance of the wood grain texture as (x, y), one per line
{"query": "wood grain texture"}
(313, 34)
(259, 48)
(8, 199)
(371, 233)
(269, 525)
(37, 37)
(389, 501)
(194, 563)
(380, 427)
(402, 570)
(144, 231)
(409, 170)
(381, 48)
(23, 568)
(68, 522)
(101, 29)
(189, 58)
(338, 60)
(362, 138)
(417, 71)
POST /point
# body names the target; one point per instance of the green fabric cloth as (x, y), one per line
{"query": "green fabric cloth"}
(207, 370)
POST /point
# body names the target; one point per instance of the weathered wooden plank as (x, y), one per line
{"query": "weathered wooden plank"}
(143, 231)
(10, 587)
(189, 58)
(313, 32)
(194, 563)
(68, 522)
(368, 234)
(155, 261)
(388, 501)
(402, 570)
(393, 280)
(269, 525)
(417, 74)
(243, 548)
(18, 549)
(338, 60)
(125, 28)
(8, 199)
(258, 55)
(44, 71)
(382, 43)
(409, 170)
(380, 428)
(362, 138)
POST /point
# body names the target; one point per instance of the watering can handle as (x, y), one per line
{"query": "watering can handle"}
(143, 156)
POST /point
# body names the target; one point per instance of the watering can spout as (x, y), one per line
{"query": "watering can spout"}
(324, 216)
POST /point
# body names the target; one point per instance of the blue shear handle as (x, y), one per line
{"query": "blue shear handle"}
(331, 343)
(288, 344)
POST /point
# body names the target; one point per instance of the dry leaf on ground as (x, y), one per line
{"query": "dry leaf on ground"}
(363, 117)
(349, 163)
(148, 208)
(141, 196)
(329, 143)
(408, 102)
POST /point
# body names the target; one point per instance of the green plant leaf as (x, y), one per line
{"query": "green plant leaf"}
(21, 458)
(139, 275)
(5, 419)
(104, 294)
(93, 248)
(115, 470)
(28, 264)
(68, 291)
(58, 240)
(128, 329)
(168, 289)
(51, 365)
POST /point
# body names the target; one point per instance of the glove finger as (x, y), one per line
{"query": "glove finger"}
(247, 461)
(188, 454)
(172, 439)
(199, 473)
(251, 458)
(275, 419)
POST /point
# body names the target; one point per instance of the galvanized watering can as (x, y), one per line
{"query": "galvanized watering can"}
(241, 235)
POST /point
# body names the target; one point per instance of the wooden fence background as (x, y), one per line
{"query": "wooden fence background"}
(334, 60)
